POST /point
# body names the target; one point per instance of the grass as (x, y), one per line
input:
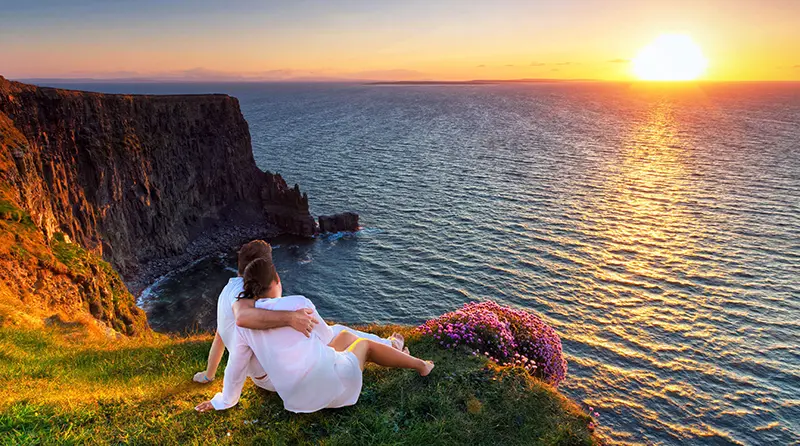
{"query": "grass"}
(72, 255)
(83, 277)
(8, 211)
(61, 385)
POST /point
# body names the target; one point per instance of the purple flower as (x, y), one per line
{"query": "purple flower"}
(505, 335)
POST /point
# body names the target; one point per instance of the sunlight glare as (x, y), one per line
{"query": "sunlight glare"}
(671, 57)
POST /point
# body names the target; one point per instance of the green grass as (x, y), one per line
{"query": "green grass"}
(8, 211)
(72, 255)
(116, 306)
(64, 387)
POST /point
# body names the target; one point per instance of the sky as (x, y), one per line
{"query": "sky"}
(387, 39)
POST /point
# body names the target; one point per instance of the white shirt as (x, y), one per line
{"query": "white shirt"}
(300, 368)
(226, 321)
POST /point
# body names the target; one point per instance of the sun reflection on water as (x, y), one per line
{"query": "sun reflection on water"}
(644, 230)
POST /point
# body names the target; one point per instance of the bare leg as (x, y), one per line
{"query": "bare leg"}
(336, 329)
(343, 340)
(375, 352)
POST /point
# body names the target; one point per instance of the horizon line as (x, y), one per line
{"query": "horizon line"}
(333, 80)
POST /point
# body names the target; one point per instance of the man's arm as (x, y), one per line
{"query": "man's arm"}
(214, 357)
(248, 316)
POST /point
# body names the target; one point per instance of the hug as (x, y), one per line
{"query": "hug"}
(285, 346)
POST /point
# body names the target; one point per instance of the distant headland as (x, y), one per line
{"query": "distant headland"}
(482, 82)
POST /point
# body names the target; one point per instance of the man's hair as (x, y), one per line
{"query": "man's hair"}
(252, 251)
(259, 276)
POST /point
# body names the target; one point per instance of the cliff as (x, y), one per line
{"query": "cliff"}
(136, 180)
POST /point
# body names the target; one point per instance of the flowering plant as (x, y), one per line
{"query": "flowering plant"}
(505, 335)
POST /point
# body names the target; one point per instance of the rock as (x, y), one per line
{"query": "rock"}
(286, 207)
(346, 221)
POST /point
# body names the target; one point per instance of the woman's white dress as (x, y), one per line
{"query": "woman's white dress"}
(307, 374)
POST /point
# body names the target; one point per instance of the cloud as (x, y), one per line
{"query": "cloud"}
(201, 74)
(619, 61)
(555, 69)
(796, 66)
(510, 65)
(386, 75)
(538, 64)
(481, 66)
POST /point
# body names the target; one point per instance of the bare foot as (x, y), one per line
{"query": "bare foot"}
(398, 341)
(406, 350)
(426, 369)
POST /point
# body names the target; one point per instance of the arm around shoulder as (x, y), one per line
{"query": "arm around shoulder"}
(248, 316)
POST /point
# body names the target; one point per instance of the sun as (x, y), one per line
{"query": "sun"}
(671, 57)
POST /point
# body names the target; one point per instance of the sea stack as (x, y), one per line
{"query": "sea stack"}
(346, 221)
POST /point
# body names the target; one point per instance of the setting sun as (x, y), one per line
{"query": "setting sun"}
(671, 57)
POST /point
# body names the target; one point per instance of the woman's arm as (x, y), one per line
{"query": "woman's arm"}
(235, 376)
(214, 357)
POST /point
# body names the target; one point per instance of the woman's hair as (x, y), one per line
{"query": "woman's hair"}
(259, 276)
(251, 251)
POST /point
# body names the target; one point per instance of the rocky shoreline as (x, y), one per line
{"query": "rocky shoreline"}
(225, 239)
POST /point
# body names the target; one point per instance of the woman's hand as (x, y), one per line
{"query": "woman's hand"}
(205, 406)
(202, 377)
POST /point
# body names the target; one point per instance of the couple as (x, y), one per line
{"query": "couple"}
(284, 345)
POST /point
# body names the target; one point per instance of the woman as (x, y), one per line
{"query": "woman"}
(308, 373)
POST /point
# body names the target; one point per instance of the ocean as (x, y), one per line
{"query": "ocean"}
(656, 228)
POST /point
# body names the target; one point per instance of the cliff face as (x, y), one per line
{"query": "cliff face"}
(135, 179)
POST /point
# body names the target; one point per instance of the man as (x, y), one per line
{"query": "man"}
(232, 312)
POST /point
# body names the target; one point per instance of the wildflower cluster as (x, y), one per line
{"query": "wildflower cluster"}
(593, 424)
(505, 335)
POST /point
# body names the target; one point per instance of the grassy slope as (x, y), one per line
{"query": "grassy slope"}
(57, 276)
(60, 385)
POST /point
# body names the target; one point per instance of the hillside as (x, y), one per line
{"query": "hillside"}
(61, 386)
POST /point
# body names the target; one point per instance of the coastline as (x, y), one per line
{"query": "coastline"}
(208, 243)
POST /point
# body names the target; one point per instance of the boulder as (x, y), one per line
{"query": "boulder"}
(346, 221)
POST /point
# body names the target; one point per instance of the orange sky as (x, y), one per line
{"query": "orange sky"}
(390, 40)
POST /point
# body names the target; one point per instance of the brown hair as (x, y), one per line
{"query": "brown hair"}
(251, 251)
(259, 276)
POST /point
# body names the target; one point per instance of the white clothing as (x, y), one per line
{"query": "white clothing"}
(348, 368)
(226, 327)
(307, 373)
(226, 322)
